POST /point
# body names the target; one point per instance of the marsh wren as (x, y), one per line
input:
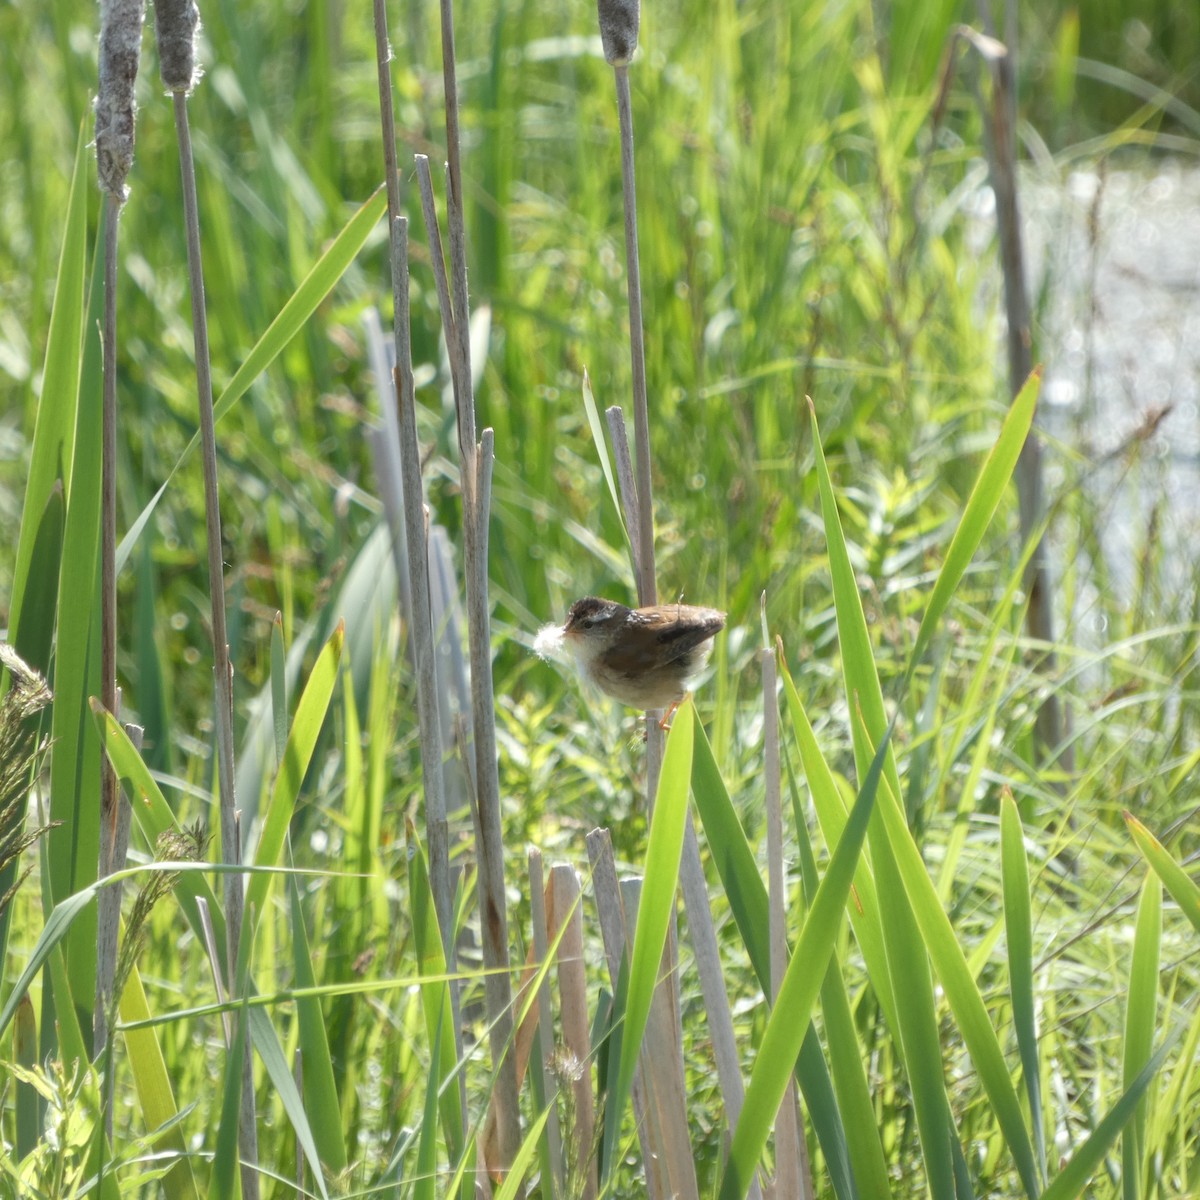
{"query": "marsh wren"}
(643, 657)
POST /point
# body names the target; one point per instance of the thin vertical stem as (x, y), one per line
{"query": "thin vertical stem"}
(222, 667)
(492, 901)
(106, 965)
(433, 781)
(476, 476)
(537, 917)
(793, 1176)
(1002, 163)
(647, 586)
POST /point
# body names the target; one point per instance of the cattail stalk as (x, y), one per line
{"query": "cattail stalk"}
(475, 477)
(177, 24)
(116, 119)
(437, 829)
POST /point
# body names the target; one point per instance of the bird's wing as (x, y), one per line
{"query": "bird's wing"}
(680, 627)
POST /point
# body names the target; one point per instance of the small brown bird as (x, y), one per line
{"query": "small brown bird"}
(643, 657)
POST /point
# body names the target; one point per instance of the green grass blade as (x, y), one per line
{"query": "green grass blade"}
(831, 813)
(320, 1091)
(1140, 1017)
(733, 858)
(279, 697)
(521, 1164)
(58, 924)
(915, 1011)
(1072, 1180)
(862, 1147)
(1183, 891)
(302, 741)
(52, 453)
(797, 994)
(962, 993)
(154, 816)
(25, 1101)
(292, 318)
(597, 428)
(155, 1095)
(909, 903)
(980, 508)
(1018, 927)
(661, 874)
(425, 1184)
(75, 752)
(747, 896)
(435, 992)
(225, 1182)
(33, 645)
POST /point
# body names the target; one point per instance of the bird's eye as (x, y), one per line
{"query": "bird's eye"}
(587, 622)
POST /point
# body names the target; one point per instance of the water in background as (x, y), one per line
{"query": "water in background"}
(1114, 270)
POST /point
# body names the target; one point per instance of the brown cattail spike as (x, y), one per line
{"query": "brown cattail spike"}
(116, 110)
(619, 21)
(176, 24)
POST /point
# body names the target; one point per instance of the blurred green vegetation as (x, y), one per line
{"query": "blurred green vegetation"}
(803, 232)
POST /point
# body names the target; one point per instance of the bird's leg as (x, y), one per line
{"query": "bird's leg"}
(665, 723)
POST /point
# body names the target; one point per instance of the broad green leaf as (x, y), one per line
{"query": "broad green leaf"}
(747, 896)
(1140, 1017)
(320, 1090)
(155, 1096)
(435, 991)
(660, 878)
(521, 1164)
(1014, 870)
(302, 741)
(980, 508)
(860, 1130)
(52, 454)
(154, 816)
(914, 1009)
(1072, 1180)
(597, 428)
(313, 289)
(1184, 892)
(793, 1006)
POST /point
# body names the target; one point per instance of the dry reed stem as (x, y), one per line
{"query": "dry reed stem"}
(647, 585)
(108, 921)
(664, 1063)
(719, 1012)
(624, 465)
(537, 916)
(421, 638)
(475, 478)
(492, 900)
(1000, 142)
(793, 1175)
(109, 791)
(607, 892)
(222, 666)
(116, 122)
(564, 912)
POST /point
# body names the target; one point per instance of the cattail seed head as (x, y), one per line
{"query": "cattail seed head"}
(619, 21)
(116, 109)
(176, 24)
